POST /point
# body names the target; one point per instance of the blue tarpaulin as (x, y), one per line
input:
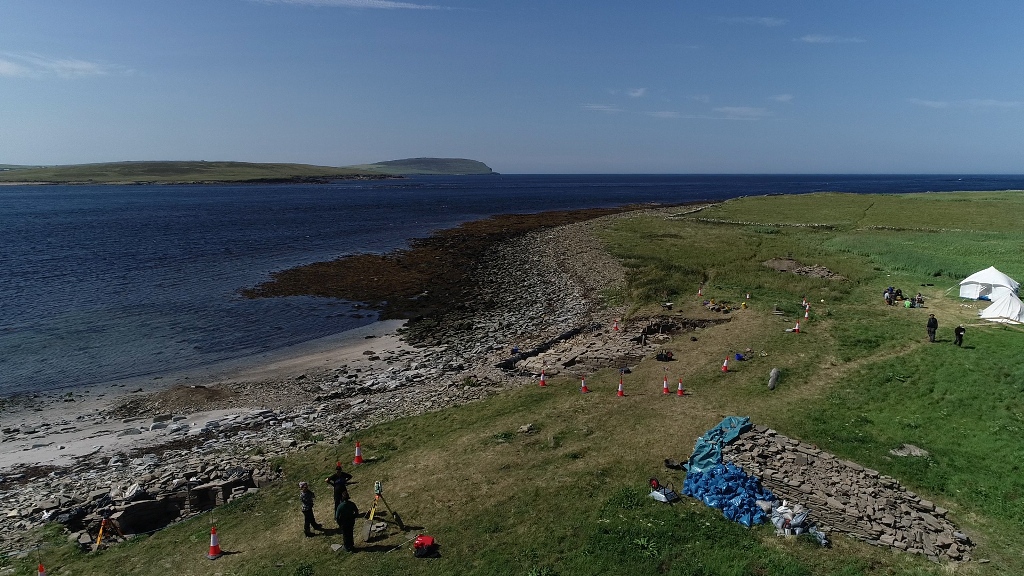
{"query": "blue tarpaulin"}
(725, 486)
(708, 450)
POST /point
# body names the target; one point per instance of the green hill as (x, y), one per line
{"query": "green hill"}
(427, 166)
(192, 172)
(178, 172)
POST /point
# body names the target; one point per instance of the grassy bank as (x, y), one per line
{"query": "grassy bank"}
(569, 497)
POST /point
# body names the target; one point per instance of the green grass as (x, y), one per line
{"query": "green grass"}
(967, 211)
(954, 255)
(569, 498)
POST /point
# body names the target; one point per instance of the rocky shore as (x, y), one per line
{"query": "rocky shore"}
(155, 458)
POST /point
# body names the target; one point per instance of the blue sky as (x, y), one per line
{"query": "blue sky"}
(527, 86)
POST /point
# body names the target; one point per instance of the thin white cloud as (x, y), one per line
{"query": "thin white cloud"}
(31, 65)
(823, 39)
(974, 103)
(742, 112)
(701, 98)
(723, 113)
(12, 69)
(929, 103)
(378, 4)
(637, 92)
(601, 108)
(782, 98)
(767, 22)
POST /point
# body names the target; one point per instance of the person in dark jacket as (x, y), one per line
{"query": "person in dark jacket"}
(932, 326)
(958, 335)
(339, 480)
(306, 497)
(345, 515)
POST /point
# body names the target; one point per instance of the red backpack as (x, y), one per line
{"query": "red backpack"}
(424, 547)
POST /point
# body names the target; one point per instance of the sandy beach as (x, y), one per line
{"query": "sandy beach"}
(58, 428)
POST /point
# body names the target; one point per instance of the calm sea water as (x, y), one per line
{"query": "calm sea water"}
(103, 283)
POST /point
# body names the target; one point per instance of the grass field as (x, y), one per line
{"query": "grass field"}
(570, 498)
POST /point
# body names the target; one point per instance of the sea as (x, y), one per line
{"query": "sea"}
(106, 284)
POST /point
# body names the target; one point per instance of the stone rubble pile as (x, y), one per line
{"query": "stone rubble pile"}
(845, 497)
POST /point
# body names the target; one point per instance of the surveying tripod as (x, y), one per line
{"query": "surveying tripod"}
(106, 525)
(374, 515)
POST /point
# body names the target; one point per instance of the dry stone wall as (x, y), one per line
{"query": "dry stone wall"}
(848, 498)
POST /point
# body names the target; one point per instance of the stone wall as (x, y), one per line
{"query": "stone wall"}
(848, 498)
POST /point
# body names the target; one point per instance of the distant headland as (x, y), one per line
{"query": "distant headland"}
(202, 172)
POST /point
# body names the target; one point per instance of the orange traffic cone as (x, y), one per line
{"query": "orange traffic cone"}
(679, 390)
(664, 385)
(543, 382)
(583, 386)
(700, 291)
(615, 325)
(42, 571)
(359, 454)
(725, 365)
(214, 545)
(796, 329)
(621, 392)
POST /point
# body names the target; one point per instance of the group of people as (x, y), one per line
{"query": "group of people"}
(933, 326)
(894, 297)
(345, 510)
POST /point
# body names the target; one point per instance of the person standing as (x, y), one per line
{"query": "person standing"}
(306, 497)
(958, 335)
(339, 480)
(345, 515)
(932, 326)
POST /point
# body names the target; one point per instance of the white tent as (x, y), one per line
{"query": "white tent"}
(990, 284)
(1007, 309)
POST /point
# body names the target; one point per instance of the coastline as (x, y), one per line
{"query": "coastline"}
(73, 424)
(529, 289)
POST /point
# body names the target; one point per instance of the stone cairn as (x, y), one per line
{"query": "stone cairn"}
(847, 498)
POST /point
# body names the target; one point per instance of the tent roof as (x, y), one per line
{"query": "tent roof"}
(991, 276)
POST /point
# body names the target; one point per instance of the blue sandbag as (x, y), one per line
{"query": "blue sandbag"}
(729, 489)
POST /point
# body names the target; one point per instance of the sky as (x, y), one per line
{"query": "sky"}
(526, 86)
